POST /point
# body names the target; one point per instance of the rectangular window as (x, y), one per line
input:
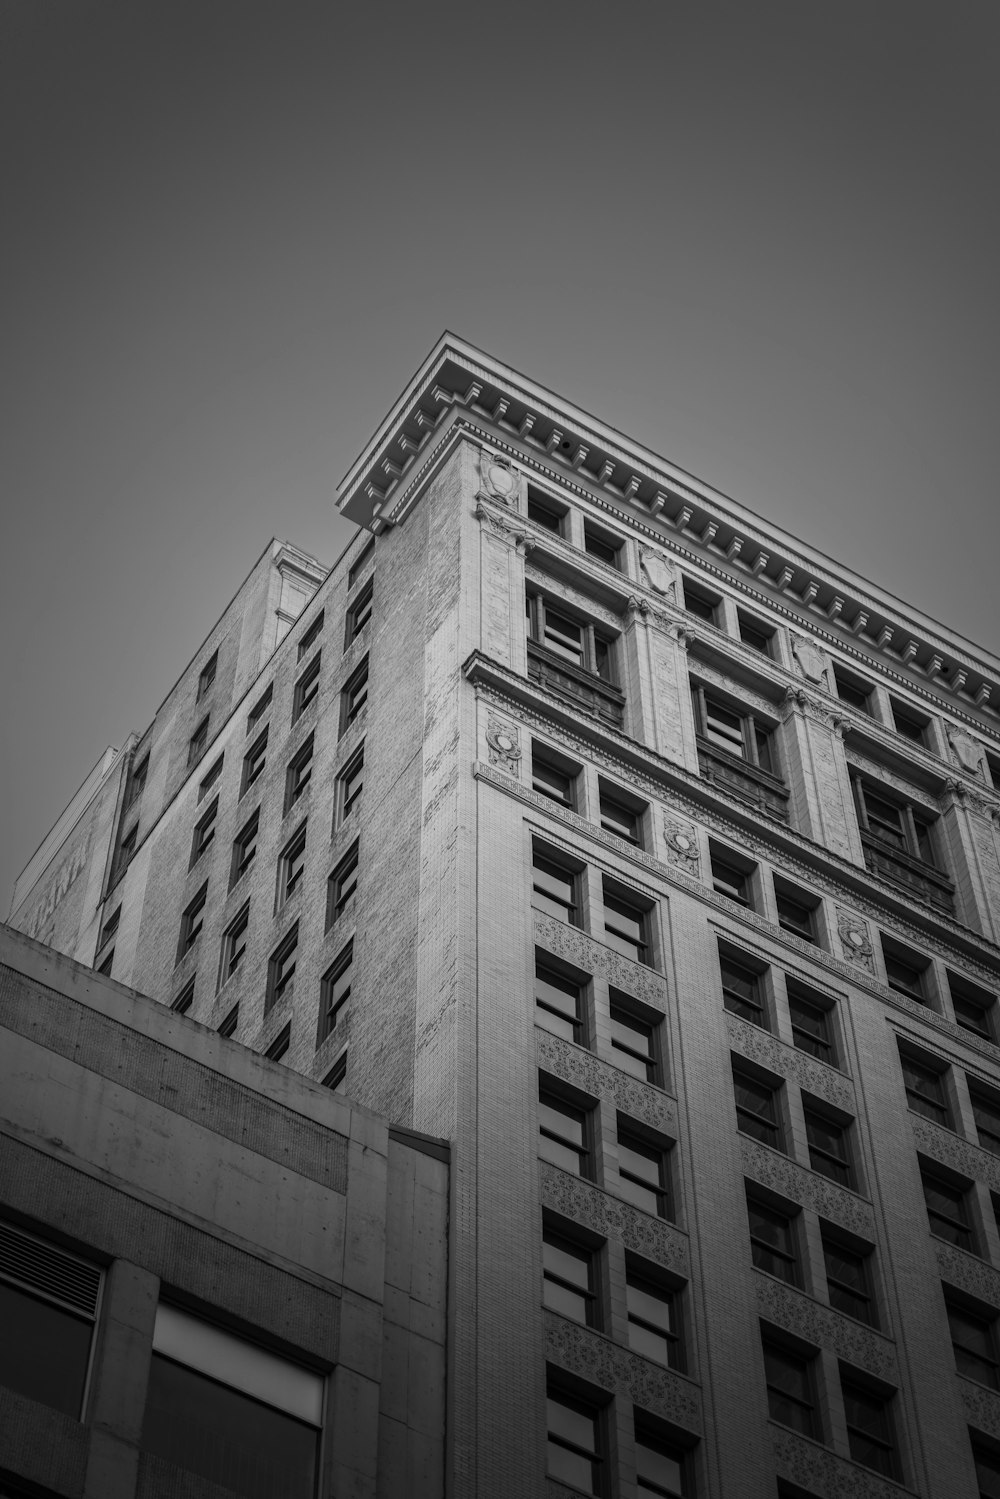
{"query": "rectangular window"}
(234, 944)
(210, 778)
(986, 1109)
(191, 922)
(947, 1209)
(564, 1133)
(341, 887)
(110, 927)
(281, 970)
(829, 1145)
(848, 1277)
(906, 971)
(987, 1461)
(361, 561)
(621, 814)
(731, 874)
(207, 675)
(231, 1022)
(335, 991)
(701, 603)
(360, 612)
(811, 1015)
(558, 1002)
(796, 910)
(773, 1245)
(898, 825)
(791, 1398)
(306, 688)
(757, 636)
(351, 783)
(127, 848)
(973, 1338)
(909, 723)
(642, 1172)
(230, 1411)
(197, 743)
(244, 849)
(870, 1434)
(279, 1046)
(652, 1319)
(757, 1109)
(853, 690)
(602, 545)
(924, 1083)
(204, 833)
(568, 1278)
(336, 1078)
(574, 1447)
(298, 774)
(743, 990)
(259, 709)
(554, 776)
(661, 1466)
(634, 1038)
(626, 923)
(354, 697)
(254, 762)
(185, 999)
(545, 513)
(555, 886)
(572, 638)
(49, 1300)
(975, 1008)
(735, 732)
(137, 782)
(108, 964)
(311, 636)
(291, 866)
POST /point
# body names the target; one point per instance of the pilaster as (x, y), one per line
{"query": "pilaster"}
(816, 771)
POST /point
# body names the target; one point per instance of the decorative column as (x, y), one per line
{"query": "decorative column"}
(672, 715)
(816, 770)
(504, 545)
(970, 821)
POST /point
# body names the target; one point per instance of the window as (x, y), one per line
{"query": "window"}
(306, 688)
(210, 778)
(987, 1461)
(660, 1465)
(731, 874)
(743, 990)
(361, 561)
(621, 813)
(48, 1306)
(796, 910)
(652, 1317)
(204, 833)
(311, 636)
(973, 1338)
(626, 923)
(234, 944)
(281, 970)
(853, 690)
(191, 921)
(974, 1008)
(757, 636)
(906, 971)
(791, 1398)
(552, 775)
(259, 709)
(572, 639)
(108, 964)
(829, 1144)
(757, 1109)
(126, 848)
(360, 612)
(299, 774)
(253, 764)
(848, 1276)
(734, 732)
(773, 1244)
(279, 1046)
(869, 1425)
(574, 1447)
(352, 780)
(544, 513)
(898, 825)
(185, 999)
(558, 1002)
(635, 1038)
(947, 1209)
(811, 1016)
(335, 991)
(110, 927)
(701, 603)
(244, 849)
(986, 1109)
(568, 1278)
(231, 1411)
(341, 887)
(925, 1087)
(232, 1020)
(601, 545)
(642, 1172)
(197, 742)
(909, 723)
(555, 885)
(354, 696)
(291, 865)
(137, 783)
(337, 1075)
(207, 675)
(564, 1133)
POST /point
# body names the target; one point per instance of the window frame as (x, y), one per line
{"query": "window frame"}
(627, 1011)
(198, 743)
(984, 1100)
(597, 542)
(853, 691)
(838, 1168)
(232, 955)
(337, 1075)
(192, 921)
(853, 1381)
(931, 1103)
(627, 905)
(332, 1000)
(255, 761)
(204, 832)
(260, 707)
(246, 839)
(965, 994)
(631, 1138)
(761, 1249)
(825, 1048)
(539, 504)
(835, 1241)
(918, 839)
(745, 1078)
(758, 737)
(895, 956)
(207, 675)
(732, 875)
(291, 865)
(986, 1360)
(566, 1241)
(359, 612)
(339, 897)
(351, 708)
(793, 895)
(560, 768)
(795, 1360)
(230, 1022)
(210, 778)
(750, 625)
(596, 654)
(361, 561)
(916, 727)
(184, 998)
(561, 870)
(612, 799)
(306, 690)
(346, 794)
(580, 1145)
(280, 980)
(708, 605)
(296, 784)
(311, 636)
(557, 1394)
(647, 1280)
(137, 782)
(733, 966)
(551, 973)
(962, 1230)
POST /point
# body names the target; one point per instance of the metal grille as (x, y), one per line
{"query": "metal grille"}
(48, 1271)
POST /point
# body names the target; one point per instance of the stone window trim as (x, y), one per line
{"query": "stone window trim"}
(925, 1083)
(555, 776)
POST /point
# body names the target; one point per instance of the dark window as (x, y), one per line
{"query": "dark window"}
(947, 1209)
(757, 1109)
(197, 742)
(360, 612)
(210, 778)
(661, 1466)
(281, 970)
(869, 1426)
(602, 546)
(553, 776)
(279, 1046)
(234, 944)
(361, 561)
(127, 848)
(555, 887)
(259, 709)
(700, 602)
(292, 865)
(634, 1039)
(908, 723)
(110, 927)
(352, 780)
(574, 1446)
(973, 1337)
(558, 1002)
(137, 783)
(652, 1318)
(354, 696)
(299, 774)
(570, 638)
(341, 887)
(773, 1245)
(564, 1133)
(757, 636)
(253, 764)
(204, 833)
(244, 849)
(620, 814)
(337, 1075)
(743, 991)
(48, 1302)
(543, 513)
(735, 732)
(185, 999)
(335, 991)
(975, 1008)
(311, 636)
(191, 922)
(796, 910)
(853, 691)
(642, 1172)
(626, 923)
(925, 1088)
(829, 1145)
(232, 1020)
(207, 675)
(906, 971)
(568, 1278)
(896, 824)
(986, 1109)
(108, 964)
(811, 1016)
(791, 1398)
(987, 1462)
(848, 1277)
(306, 688)
(731, 874)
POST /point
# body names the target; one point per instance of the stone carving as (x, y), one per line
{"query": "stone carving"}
(585, 1203)
(981, 1406)
(967, 1272)
(683, 849)
(968, 752)
(823, 1473)
(659, 571)
(601, 1080)
(504, 742)
(951, 1150)
(786, 1177)
(854, 939)
(607, 1364)
(584, 952)
(503, 526)
(787, 1061)
(824, 1327)
(499, 479)
(810, 659)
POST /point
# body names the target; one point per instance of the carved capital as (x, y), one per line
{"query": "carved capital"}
(503, 526)
(685, 638)
(636, 607)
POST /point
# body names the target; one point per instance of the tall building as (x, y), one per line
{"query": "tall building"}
(584, 820)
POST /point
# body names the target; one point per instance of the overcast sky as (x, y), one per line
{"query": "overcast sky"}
(760, 237)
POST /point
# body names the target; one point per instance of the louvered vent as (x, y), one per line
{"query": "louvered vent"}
(48, 1271)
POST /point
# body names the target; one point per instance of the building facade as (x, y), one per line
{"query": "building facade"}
(585, 821)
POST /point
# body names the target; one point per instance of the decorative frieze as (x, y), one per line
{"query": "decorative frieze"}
(949, 1149)
(503, 739)
(981, 1406)
(576, 947)
(576, 1065)
(760, 1046)
(597, 1359)
(824, 1327)
(810, 1190)
(821, 1472)
(967, 1271)
(584, 1203)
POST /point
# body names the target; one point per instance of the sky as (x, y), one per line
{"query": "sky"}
(761, 238)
